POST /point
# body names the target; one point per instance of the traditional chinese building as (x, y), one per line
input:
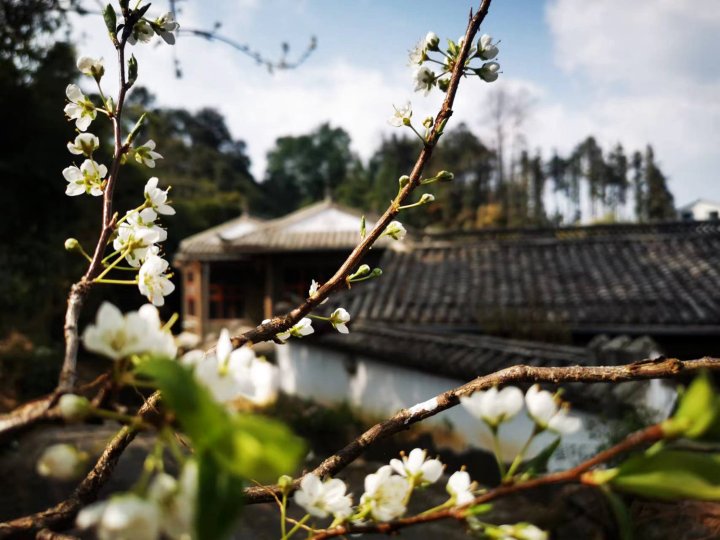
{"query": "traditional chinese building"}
(239, 272)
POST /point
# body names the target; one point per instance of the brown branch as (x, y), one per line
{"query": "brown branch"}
(62, 514)
(645, 369)
(80, 290)
(646, 436)
(278, 324)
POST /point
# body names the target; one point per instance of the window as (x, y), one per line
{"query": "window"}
(191, 306)
(226, 301)
(713, 215)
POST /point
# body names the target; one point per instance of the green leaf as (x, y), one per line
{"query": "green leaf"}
(538, 464)
(110, 20)
(132, 70)
(246, 445)
(671, 475)
(697, 412)
(478, 509)
(219, 501)
(622, 516)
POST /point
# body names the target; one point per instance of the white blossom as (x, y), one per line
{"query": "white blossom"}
(158, 197)
(85, 143)
(61, 462)
(91, 67)
(176, 501)
(314, 286)
(142, 32)
(546, 413)
(494, 406)
(339, 318)
(431, 41)
(122, 517)
(522, 531)
(73, 407)
(322, 499)
(395, 230)
(88, 178)
(137, 332)
(418, 54)
(237, 374)
(80, 108)
(489, 71)
(165, 26)
(153, 282)
(301, 329)
(402, 115)
(137, 235)
(417, 468)
(486, 49)
(146, 154)
(385, 494)
(424, 80)
(460, 487)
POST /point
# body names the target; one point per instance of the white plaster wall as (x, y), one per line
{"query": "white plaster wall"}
(701, 210)
(380, 390)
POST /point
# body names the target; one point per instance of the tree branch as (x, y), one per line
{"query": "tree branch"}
(645, 369)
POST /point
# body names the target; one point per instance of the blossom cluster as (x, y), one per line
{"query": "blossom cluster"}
(387, 493)
(426, 79)
(137, 235)
(495, 406)
(167, 507)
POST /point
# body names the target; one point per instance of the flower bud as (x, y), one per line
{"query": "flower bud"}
(74, 408)
(445, 176)
(432, 41)
(364, 269)
(285, 483)
(428, 122)
(61, 462)
(403, 181)
(443, 84)
(71, 244)
(377, 272)
(426, 198)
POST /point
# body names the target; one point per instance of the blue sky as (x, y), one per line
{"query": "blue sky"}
(639, 72)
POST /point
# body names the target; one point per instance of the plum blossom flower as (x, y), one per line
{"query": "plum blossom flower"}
(489, 71)
(385, 494)
(338, 319)
(314, 286)
(321, 499)
(522, 531)
(494, 406)
(547, 414)
(123, 516)
(88, 178)
(61, 462)
(158, 198)
(80, 108)
(92, 67)
(460, 488)
(431, 41)
(424, 80)
(142, 32)
(301, 329)
(418, 54)
(137, 235)
(153, 282)
(176, 500)
(85, 143)
(395, 230)
(486, 50)
(402, 115)
(164, 26)
(233, 374)
(146, 154)
(137, 332)
(417, 468)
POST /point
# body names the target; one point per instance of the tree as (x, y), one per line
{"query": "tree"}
(304, 169)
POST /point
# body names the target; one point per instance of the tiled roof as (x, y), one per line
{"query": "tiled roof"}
(460, 356)
(601, 279)
(322, 226)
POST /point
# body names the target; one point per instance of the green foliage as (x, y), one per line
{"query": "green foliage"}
(245, 445)
(219, 499)
(698, 411)
(669, 475)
